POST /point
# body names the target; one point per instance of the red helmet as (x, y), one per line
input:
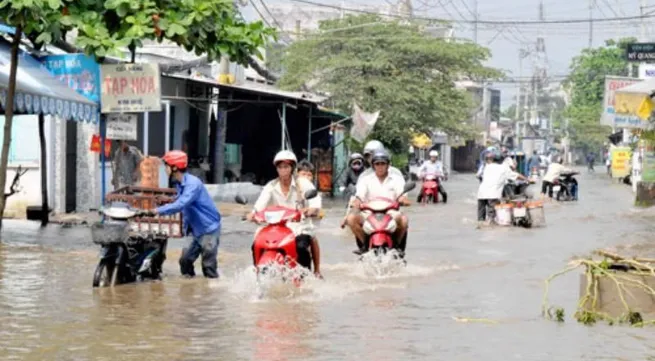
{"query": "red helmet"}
(176, 158)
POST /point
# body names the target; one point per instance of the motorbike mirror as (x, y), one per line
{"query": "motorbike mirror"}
(241, 199)
(409, 186)
(312, 193)
(342, 188)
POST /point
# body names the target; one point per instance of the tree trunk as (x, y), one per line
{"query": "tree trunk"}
(9, 117)
(45, 209)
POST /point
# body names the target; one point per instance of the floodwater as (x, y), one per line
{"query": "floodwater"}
(492, 278)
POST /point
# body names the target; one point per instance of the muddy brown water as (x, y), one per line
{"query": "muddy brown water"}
(48, 310)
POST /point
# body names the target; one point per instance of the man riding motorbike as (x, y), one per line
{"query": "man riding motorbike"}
(433, 166)
(286, 191)
(380, 183)
(555, 169)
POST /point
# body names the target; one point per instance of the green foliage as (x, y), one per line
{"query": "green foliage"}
(210, 27)
(586, 83)
(392, 67)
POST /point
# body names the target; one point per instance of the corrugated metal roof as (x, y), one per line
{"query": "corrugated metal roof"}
(256, 88)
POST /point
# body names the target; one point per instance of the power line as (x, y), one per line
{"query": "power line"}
(610, 7)
(270, 14)
(488, 22)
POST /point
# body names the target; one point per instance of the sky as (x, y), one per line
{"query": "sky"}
(563, 41)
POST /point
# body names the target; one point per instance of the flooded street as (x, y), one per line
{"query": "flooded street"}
(49, 311)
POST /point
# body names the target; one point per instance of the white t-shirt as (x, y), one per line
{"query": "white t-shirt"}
(370, 186)
(494, 178)
(510, 162)
(429, 167)
(554, 171)
(272, 195)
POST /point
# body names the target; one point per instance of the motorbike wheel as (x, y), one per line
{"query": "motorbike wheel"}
(105, 274)
(379, 251)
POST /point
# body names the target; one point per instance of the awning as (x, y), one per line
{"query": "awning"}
(38, 92)
(635, 99)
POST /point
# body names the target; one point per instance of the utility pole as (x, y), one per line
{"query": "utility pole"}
(592, 3)
(642, 8)
(475, 21)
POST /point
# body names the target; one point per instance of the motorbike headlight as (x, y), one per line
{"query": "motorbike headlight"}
(391, 226)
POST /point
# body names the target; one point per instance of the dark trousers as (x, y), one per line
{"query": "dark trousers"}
(547, 187)
(207, 245)
(483, 204)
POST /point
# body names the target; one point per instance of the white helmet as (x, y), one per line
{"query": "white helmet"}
(434, 153)
(285, 155)
(372, 146)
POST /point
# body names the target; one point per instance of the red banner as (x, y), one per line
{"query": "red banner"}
(95, 145)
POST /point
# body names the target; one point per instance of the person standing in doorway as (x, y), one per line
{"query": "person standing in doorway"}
(125, 166)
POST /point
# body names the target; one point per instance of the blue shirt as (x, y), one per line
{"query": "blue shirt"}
(197, 207)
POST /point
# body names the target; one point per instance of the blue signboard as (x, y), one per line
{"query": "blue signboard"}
(79, 71)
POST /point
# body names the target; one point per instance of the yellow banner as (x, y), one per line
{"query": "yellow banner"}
(634, 104)
(421, 141)
(621, 162)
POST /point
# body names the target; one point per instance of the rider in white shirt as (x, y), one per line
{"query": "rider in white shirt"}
(380, 183)
(555, 169)
(287, 190)
(433, 166)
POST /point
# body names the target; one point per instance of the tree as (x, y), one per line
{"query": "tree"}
(393, 67)
(586, 84)
(104, 27)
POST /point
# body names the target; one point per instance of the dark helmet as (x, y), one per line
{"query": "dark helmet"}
(380, 155)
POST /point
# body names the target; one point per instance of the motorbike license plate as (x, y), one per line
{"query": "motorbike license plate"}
(519, 212)
(556, 188)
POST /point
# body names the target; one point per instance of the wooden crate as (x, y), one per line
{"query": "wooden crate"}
(150, 198)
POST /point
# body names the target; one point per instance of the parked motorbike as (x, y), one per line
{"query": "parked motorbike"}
(515, 192)
(379, 226)
(429, 189)
(565, 188)
(274, 247)
(126, 256)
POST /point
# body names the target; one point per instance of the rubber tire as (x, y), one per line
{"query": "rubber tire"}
(104, 266)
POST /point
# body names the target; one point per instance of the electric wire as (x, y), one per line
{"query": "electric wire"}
(497, 22)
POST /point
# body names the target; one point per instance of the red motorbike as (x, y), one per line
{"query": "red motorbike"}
(379, 226)
(429, 189)
(275, 244)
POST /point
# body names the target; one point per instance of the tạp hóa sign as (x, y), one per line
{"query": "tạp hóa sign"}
(130, 88)
(621, 162)
(640, 52)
